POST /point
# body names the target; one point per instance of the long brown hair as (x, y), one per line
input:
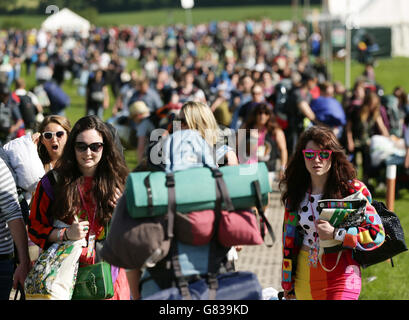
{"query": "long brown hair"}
(368, 112)
(60, 120)
(111, 173)
(271, 124)
(297, 179)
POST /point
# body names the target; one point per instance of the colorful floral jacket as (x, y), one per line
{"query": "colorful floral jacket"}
(368, 236)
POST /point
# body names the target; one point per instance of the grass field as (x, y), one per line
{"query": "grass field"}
(388, 72)
(380, 282)
(170, 16)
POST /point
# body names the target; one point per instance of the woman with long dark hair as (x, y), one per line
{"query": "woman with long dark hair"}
(319, 170)
(363, 123)
(81, 192)
(267, 138)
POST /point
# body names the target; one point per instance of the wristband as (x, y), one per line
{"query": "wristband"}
(339, 234)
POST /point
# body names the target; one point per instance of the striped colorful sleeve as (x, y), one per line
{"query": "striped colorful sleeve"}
(39, 222)
(370, 234)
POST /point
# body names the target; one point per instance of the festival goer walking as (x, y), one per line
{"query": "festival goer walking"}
(12, 228)
(198, 116)
(363, 123)
(319, 170)
(86, 185)
(97, 95)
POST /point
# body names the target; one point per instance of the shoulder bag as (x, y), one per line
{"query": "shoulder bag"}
(394, 239)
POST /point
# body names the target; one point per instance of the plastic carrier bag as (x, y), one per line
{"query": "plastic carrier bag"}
(54, 273)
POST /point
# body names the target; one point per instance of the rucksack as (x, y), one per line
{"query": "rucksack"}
(59, 100)
(28, 112)
(42, 96)
(280, 99)
(329, 111)
(391, 104)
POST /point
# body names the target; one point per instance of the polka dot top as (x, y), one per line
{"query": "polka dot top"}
(305, 218)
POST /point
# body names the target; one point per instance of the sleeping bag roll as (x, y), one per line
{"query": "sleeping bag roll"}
(195, 189)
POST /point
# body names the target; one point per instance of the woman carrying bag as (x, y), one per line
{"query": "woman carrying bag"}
(319, 170)
(82, 192)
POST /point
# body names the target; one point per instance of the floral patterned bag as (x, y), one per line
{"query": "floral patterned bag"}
(54, 273)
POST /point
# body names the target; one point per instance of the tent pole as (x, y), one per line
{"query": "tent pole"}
(348, 58)
(348, 28)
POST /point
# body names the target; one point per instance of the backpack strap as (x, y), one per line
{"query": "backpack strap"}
(48, 182)
(260, 210)
(147, 184)
(170, 184)
(222, 188)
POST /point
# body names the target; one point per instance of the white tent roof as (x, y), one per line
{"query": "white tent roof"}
(377, 13)
(372, 13)
(67, 21)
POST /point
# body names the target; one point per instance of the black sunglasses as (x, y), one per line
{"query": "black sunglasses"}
(48, 135)
(94, 147)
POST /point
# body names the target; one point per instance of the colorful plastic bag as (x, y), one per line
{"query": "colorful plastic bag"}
(54, 273)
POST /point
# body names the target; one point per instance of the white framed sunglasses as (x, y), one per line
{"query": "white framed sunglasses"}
(48, 135)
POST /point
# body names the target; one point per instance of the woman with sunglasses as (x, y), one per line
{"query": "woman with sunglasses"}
(82, 192)
(319, 170)
(54, 131)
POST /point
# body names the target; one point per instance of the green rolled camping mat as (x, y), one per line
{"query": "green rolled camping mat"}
(195, 189)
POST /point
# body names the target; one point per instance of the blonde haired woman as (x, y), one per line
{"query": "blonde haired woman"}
(198, 116)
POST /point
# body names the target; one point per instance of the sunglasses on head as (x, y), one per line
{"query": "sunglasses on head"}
(310, 154)
(48, 135)
(94, 147)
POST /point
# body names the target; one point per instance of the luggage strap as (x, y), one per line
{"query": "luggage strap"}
(147, 184)
(259, 204)
(221, 195)
(170, 184)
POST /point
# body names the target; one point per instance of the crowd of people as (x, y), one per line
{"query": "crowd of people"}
(232, 67)
(250, 89)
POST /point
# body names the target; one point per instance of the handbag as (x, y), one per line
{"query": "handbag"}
(94, 282)
(20, 290)
(97, 96)
(394, 239)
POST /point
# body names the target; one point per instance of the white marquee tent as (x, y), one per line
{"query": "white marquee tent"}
(377, 13)
(67, 21)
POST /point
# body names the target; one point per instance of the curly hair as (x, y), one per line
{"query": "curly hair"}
(297, 180)
(111, 173)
